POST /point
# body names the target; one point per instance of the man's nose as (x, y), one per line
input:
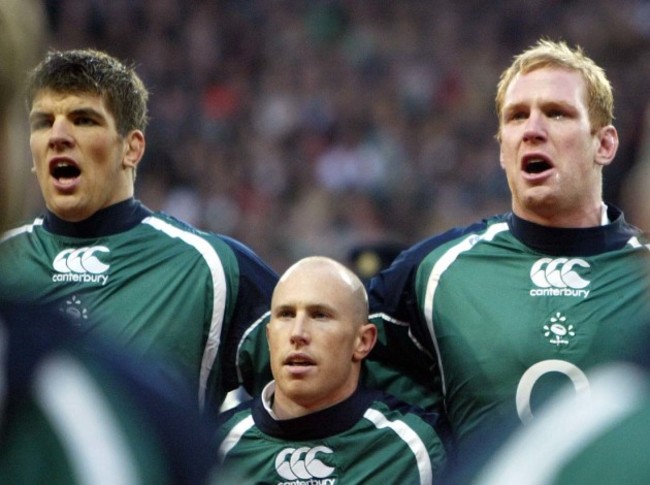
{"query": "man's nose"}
(60, 134)
(299, 330)
(535, 128)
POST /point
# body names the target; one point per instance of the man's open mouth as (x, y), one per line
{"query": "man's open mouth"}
(536, 165)
(64, 170)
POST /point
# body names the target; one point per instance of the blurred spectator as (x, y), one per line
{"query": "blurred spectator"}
(369, 259)
(638, 179)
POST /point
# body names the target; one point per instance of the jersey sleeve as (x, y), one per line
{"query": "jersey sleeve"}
(415, 424)
(253, 358)
(399, 363)
(403, 361)
(246, 358)
(145, 423)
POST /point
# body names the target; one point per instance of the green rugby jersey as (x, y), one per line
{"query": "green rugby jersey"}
(510, 310)
(77, 411)
(572, 441)
(152, 282)
(368, 438)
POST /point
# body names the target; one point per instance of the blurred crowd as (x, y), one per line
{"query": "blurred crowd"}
(314, 127)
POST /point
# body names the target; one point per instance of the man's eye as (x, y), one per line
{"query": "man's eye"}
(85, 121)
(556, 114)
(39, 124)
(516, 116)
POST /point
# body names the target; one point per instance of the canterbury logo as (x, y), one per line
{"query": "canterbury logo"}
(302, 464)
(82, 260)
(559, 277)
(81, 265)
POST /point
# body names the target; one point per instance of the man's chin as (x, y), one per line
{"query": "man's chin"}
(540, 199)
(69, 209)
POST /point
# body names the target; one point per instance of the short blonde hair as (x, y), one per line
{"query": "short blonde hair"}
(547, 53)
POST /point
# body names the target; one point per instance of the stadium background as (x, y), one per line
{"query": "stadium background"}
(315, 127)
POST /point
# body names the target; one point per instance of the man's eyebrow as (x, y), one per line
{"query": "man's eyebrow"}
(322, 307)
(545, 104)
(514, 106)
(86, 112)
(83, 111)
(555, 104)
(282, 307)
(36, 114)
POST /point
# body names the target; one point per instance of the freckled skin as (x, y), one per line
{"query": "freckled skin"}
(545, 115)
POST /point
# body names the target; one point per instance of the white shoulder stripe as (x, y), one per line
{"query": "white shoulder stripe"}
(248, 331)
(410, 437)
(440, 267)
(234, 436)
(634, 242)
(219, 294)
(92, 437)
(20, 230)
(388, 319)
(393, 321)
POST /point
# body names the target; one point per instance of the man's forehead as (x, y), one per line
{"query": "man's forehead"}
(309, 302)
(307, 287)
(313, 284)
(309, 269)
(547, 79)
(48, 97)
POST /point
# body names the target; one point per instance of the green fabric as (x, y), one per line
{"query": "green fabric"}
(512, 324)
(152, 288)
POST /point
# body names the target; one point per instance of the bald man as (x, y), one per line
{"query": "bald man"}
(314, 421)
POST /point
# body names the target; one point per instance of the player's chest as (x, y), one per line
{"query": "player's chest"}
(540, 306)
(113, 279)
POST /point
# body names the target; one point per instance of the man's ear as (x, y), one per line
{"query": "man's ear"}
(366, 339)
(133, 149)
(501, 162)
(607, 138)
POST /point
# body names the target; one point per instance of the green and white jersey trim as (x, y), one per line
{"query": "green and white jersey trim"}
(634, 242)
(84, 423)
(255, 327)
(537, 452)
(219, 295)
(19, 230)
(410, 437)
(443, 265)
(234, 436)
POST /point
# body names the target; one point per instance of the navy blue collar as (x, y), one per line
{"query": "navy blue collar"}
(321, 424)
(587, 241)
(114, 219)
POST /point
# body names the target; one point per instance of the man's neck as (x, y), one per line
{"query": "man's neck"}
(117, 218)
(590, 217)
(281, 407)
